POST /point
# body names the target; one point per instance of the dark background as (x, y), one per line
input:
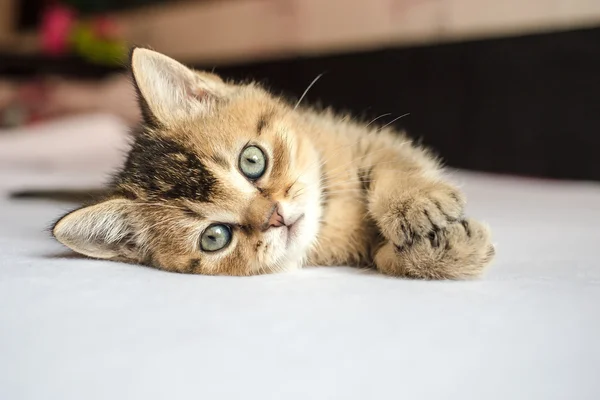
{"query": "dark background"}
(527, 105)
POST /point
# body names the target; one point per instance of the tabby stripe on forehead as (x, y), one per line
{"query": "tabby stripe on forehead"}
(165, 169)
(263, 121)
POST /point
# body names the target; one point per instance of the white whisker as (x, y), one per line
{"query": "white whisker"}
(392, 121)
(307, 89)
(381, 116)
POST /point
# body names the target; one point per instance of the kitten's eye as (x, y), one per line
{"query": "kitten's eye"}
(215, 237)
(253, 162)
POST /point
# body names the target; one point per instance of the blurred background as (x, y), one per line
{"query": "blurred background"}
(508, 86)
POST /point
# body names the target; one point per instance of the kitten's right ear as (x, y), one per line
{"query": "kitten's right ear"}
(168, 90)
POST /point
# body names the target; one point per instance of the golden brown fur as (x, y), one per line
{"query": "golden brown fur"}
(349, 193)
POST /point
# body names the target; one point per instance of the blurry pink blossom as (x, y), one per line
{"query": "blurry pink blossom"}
(57, 22)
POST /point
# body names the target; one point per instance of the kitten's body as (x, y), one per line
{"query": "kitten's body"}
(332, 191)
(348, 152)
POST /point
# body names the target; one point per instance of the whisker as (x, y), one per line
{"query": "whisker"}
(392, 121)
(307, 89)
(381, 116)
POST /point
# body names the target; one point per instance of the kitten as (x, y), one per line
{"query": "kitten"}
(228, 179)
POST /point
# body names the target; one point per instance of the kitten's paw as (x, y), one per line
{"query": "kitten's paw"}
(420, 212)
(459, 251)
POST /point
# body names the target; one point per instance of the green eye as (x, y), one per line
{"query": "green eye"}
(215, 237)
(253, 162)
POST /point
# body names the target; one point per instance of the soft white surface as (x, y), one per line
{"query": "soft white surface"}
(81, 329)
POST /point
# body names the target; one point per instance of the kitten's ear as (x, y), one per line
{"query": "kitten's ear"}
(104, 230)
(167, 89)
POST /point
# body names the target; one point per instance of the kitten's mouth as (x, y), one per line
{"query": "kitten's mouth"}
(293, 230)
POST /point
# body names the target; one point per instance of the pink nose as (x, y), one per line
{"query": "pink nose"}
(275, 219)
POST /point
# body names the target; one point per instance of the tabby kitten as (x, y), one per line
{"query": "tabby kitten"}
(228, 179)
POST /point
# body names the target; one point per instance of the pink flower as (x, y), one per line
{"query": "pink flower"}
(57, 22)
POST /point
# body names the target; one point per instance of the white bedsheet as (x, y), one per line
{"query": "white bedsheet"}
(74, 328)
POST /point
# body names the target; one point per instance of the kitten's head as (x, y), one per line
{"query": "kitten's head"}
(221, 180)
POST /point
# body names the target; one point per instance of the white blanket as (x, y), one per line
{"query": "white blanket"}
(72, 328)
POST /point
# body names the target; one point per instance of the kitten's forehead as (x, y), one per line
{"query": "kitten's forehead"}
(160, 167)
(217, 135)
(196, 158)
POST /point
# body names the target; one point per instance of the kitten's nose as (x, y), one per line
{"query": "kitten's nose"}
(275, 219)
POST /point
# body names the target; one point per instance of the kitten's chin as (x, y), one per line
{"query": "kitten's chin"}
(300, 236)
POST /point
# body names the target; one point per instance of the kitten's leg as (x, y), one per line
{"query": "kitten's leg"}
(422, 219)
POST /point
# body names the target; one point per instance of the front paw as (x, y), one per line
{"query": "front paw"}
(420, 212)
(459, 251)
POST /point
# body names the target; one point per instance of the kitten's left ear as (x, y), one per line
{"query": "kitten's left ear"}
(106, 230)
(168, 89)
